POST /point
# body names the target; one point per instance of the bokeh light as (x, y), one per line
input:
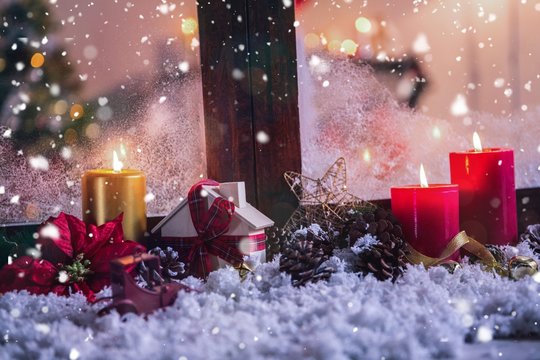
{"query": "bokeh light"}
(362, 25)
(189, 26)
(349, 47)
(60, 107)
(334, 46)
(312, 41)
(37, 60)
(76, 111)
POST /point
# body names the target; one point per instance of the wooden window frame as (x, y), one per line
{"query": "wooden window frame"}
(249, 75)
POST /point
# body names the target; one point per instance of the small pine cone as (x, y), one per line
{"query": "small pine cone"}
(169, 261)
(320, 240)
(303, 261)
(532, 237)
(385, 257)
(276, 238)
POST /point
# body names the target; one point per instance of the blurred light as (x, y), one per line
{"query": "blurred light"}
(436, 132)
(71, 136)
(459, 106)
(366, 156)
(60, 107)
(484, 334)
(312, 41)
(421, 44)
(37, 60)
(349, 47)
(189, 26)
(334, 46)
(362, 25)
(76, 111)
(92, 131)
(2, 64)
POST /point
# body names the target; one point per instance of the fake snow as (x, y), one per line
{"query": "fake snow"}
(425, 314)
(162, 138)
(364, 243)
(357, 117)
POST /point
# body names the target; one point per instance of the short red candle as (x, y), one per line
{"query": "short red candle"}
(429, 216)
(487, 194)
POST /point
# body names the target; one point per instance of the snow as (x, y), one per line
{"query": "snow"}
(425, 314)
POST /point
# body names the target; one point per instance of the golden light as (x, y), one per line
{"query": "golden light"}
(312, 41)
(37, 60)
(423, 178)
(92, 131)
(60, 107)
(362, 25)
(334, 46)
(476, 142)
(189, 26)
(436, 132)
(76, 111)
(117, 164)
(349, 47)
(70, 136)
(2, 64)
(366, 156)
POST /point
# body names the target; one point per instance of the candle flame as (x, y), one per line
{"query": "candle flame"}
(476, 142)
(423, 178)
(117, 164)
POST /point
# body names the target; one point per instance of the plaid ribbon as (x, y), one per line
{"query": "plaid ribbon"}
(211, 225)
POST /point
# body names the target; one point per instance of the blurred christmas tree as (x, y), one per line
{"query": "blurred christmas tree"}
(37, 81)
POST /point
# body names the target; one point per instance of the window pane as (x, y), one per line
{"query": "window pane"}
(392, 84)
(81, 79)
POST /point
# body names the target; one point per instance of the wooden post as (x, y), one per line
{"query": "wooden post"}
(250, 90)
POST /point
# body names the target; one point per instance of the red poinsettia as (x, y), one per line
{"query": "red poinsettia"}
(75, 258)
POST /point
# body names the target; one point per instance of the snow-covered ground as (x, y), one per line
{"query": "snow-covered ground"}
(425, 314)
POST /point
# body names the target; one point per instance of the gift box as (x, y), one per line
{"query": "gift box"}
(215, 226)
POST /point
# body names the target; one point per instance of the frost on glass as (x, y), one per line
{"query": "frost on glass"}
(480, 72)
(108, 76)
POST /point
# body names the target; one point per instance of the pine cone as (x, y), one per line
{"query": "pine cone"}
(303, 261)
(276, 237)
(169, 261)
(532, 237)
(380, 250)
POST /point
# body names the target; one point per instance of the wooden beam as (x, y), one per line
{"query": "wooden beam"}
(248, 59)
(226, 92)
(274, 86)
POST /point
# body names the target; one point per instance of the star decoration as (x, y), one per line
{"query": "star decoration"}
(323, 201)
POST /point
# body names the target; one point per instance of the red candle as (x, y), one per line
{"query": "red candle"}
(487, 193)
(429, 215)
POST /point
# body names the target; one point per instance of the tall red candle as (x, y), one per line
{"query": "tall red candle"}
(429, 216)
(487, 194)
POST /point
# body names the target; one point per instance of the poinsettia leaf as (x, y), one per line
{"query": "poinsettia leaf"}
(99, 236)
(56, 239)
(35, 276)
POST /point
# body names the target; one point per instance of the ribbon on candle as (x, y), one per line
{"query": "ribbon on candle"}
(461, 240)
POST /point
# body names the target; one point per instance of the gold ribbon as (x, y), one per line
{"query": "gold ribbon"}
(461, 240)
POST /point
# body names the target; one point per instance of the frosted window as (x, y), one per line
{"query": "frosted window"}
(81, 79)
(472, 66)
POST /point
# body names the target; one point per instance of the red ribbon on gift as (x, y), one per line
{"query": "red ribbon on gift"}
(211, 225)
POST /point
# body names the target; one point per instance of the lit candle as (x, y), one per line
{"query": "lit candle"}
(429, 215)
(487, 193)
(106, 193)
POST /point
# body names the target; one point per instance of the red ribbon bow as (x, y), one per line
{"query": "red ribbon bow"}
(211, 225)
